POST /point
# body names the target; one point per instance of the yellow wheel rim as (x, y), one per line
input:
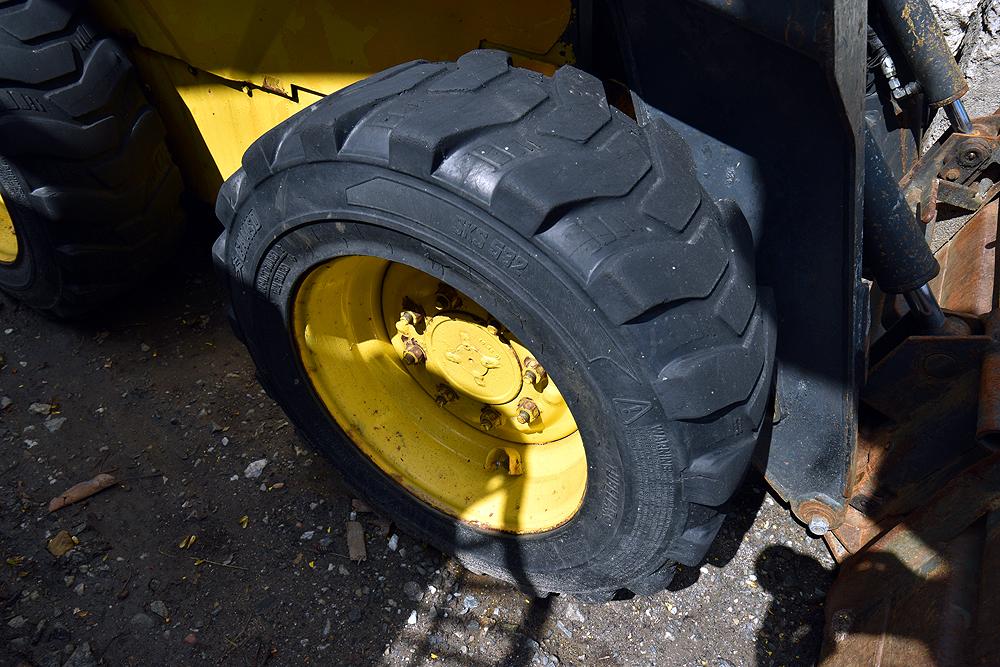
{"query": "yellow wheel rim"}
(439, 395)
(8, 237)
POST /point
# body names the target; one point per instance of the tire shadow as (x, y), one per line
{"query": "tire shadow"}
(792, 630)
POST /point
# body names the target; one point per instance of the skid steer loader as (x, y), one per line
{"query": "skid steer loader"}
(542, 278)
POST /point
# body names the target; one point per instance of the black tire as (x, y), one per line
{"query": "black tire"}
(597, 246)
(84, 170)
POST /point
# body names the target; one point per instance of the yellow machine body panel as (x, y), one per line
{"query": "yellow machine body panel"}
(223, 72)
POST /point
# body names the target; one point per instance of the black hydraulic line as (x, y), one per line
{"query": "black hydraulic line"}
(933, 64)
(896, 254)
(923, 44)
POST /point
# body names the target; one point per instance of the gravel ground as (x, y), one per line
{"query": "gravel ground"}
(160, 394)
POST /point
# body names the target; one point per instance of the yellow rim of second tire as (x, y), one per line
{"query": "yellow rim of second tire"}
(8, 237)
(439, 395)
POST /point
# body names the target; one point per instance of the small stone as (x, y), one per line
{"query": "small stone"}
(79, 588)
(412, 620)
(81, 657)
(61, 543)
(142, 621)
(722, 662)
(17, 622)
(563, 629)
(469, 602)
(254, 470)
(191, 639)
(5, 402)
(343, 570)
(159, 608)
(39, 408)
(412, 590)
(54, 423)
(308, 535)
(144, 347)
(573, 613)
(393, 542)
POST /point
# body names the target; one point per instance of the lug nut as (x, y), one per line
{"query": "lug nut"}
(446, 298)
(527, 411)
(533, 371)
(445, 395)
(410, 317)
(414, 354)
(489, 418)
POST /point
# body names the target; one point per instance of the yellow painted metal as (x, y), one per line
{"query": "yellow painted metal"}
(422, 423)
(223, 72)
(8, 236)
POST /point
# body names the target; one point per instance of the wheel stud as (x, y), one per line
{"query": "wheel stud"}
(445, 395)
(410, 317)
(414, 354)
(489, 418)
(533, 371)
(527, 411)
(446, 298)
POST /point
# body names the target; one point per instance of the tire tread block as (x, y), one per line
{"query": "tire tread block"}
(706, 380)
(581, 106)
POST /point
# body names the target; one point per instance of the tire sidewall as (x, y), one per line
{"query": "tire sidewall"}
(312, 213)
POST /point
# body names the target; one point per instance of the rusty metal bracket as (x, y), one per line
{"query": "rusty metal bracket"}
(962, 170)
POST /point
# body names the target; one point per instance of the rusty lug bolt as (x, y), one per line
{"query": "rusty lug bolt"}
(414, 354)
(953, 174)
(411, 317)
(533, 371)
(445, 395)
(446, 298)
(489, 418)
(527, 411)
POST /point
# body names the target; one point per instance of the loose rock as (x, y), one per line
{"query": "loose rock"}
(159, 608)
(61, 544)
(412, 590)
(254, 470)
(53, 424)
(82, 657)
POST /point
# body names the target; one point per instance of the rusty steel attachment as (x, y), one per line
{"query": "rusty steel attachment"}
(919, 543)
(988, 421)
(959, 172)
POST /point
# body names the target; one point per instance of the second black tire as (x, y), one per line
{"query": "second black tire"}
(592, 239)
(85, 173)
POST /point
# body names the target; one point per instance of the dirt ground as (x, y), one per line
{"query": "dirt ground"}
(159, 393)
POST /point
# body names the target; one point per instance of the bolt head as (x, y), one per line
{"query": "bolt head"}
(818, 526)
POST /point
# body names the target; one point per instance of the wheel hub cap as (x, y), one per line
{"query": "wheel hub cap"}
(437, 394)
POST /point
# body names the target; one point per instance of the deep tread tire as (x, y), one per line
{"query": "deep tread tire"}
(479, 170)
(84, 170)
